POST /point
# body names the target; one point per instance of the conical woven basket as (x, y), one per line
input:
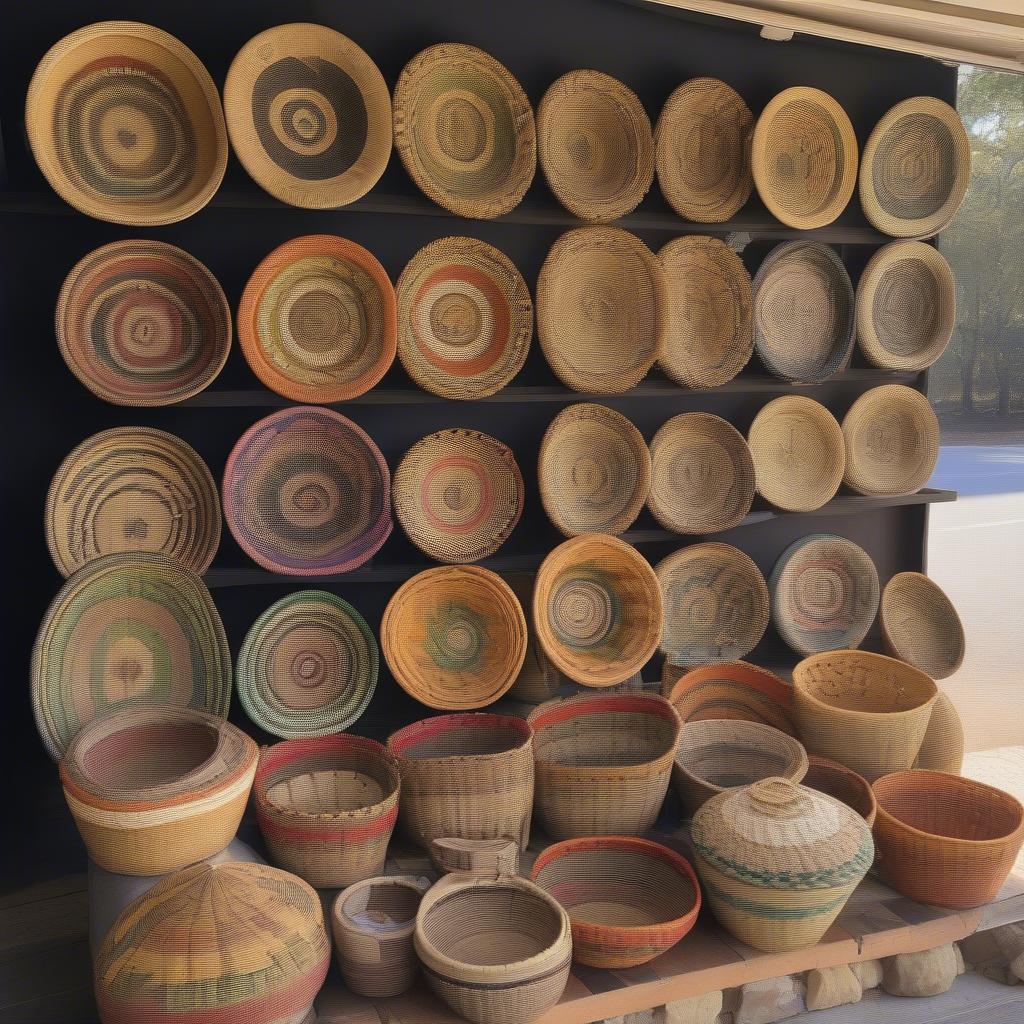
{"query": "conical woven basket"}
(842, 783)
(942, 749)
(595, 145)
(920, 625)
(538, 679)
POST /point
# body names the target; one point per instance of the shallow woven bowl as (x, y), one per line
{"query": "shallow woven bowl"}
(597, 609)
(595, 145)
(602, 309)
(702, 475)
(944, 839)
(921, 626)
(916, 168)
(126, 124)
(804, 158)
(309, 115)
(594, 470)
(892, 441)
(702, 151)
(629, 900)
(843, 784)
(464, 130)
(143, 323)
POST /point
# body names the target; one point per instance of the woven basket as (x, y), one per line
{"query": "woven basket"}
(496, 950)
(464, 130)
(803, 156)
(454, 637)
(373, 922)
(946, 840)
(892, 441)
(715, 601)
(906, 306)
(803, 312)
(824, 594)
(843, 784)
(476, 856)
(126, 124)
(595, 145)
(309, 115)
(702, 475)
(458, 494)
(916, 168)
(702, 151)
(538, 679)
(132, 489)
(920, 625)
(327, 807)
(288, 487)
(602, 763)
(866, 711)
(594, 470)
(798, 452)
(602, 309)
(629, 900)
(465, 318)
(153, 790)
(942, 749)
(143, 323)
(597, 609)
(127, 629)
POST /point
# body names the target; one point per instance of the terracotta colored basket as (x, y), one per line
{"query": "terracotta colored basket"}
(942, 749)
(602, 763)
(946, 840)
(153, 790)
(842, 783)
(921, 626)
(629, 900)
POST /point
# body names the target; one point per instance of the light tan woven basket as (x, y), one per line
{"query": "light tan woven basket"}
(921, 626)
(942, 749)
(538, 679)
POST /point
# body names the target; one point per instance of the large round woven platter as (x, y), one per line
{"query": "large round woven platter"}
(317, 320)
(595, 145)
(602, 309)
(458, 494)
(710, 334)
(921, 626)
(127, 629)
(309, 115)
(142, 323)
(824, 594)
(465, 318)
(308, 666)
(916, 168)
(132, 489)
(306, 492)
(126, 124)
(804, 158)
(716, 604)
(803, 312)
(464, 130)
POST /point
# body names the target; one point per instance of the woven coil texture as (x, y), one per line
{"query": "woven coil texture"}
(844, 784)
(942, 749)
(538, 679)
(921, 626)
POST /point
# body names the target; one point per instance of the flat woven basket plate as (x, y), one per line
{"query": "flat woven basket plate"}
(602, 309)
(126, 124)
(702, 476)
(803, 312)
(127, 629)
(594, 470)
(458, 494)
(804, 158)
(916, 168)
(464, 129)
(906, 306)
(143, 323)
(309, 115)
(716, 604)
(132, 489)
(892, 441)
(595, 145)
(702, 151)
(306, 492)
(798, 452)
(308, 666)
(317, 321)
(454, 637)
(921, 626)
(824, 594)
(710, 334)
(465, 318)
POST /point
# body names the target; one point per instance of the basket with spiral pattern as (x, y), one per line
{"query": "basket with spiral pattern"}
(595, 145)
(126, 124)
(843, 784)
(732, 690)
(309, 115)
(921, 626)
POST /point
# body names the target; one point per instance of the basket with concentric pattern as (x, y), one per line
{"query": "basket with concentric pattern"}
(920, 625)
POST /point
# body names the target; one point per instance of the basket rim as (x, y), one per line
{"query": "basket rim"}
(796, 753)
(408, 735)
(735, 671)
(343, 920)
(920, 579)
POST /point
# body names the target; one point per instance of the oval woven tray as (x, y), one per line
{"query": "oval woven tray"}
(921, 626)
